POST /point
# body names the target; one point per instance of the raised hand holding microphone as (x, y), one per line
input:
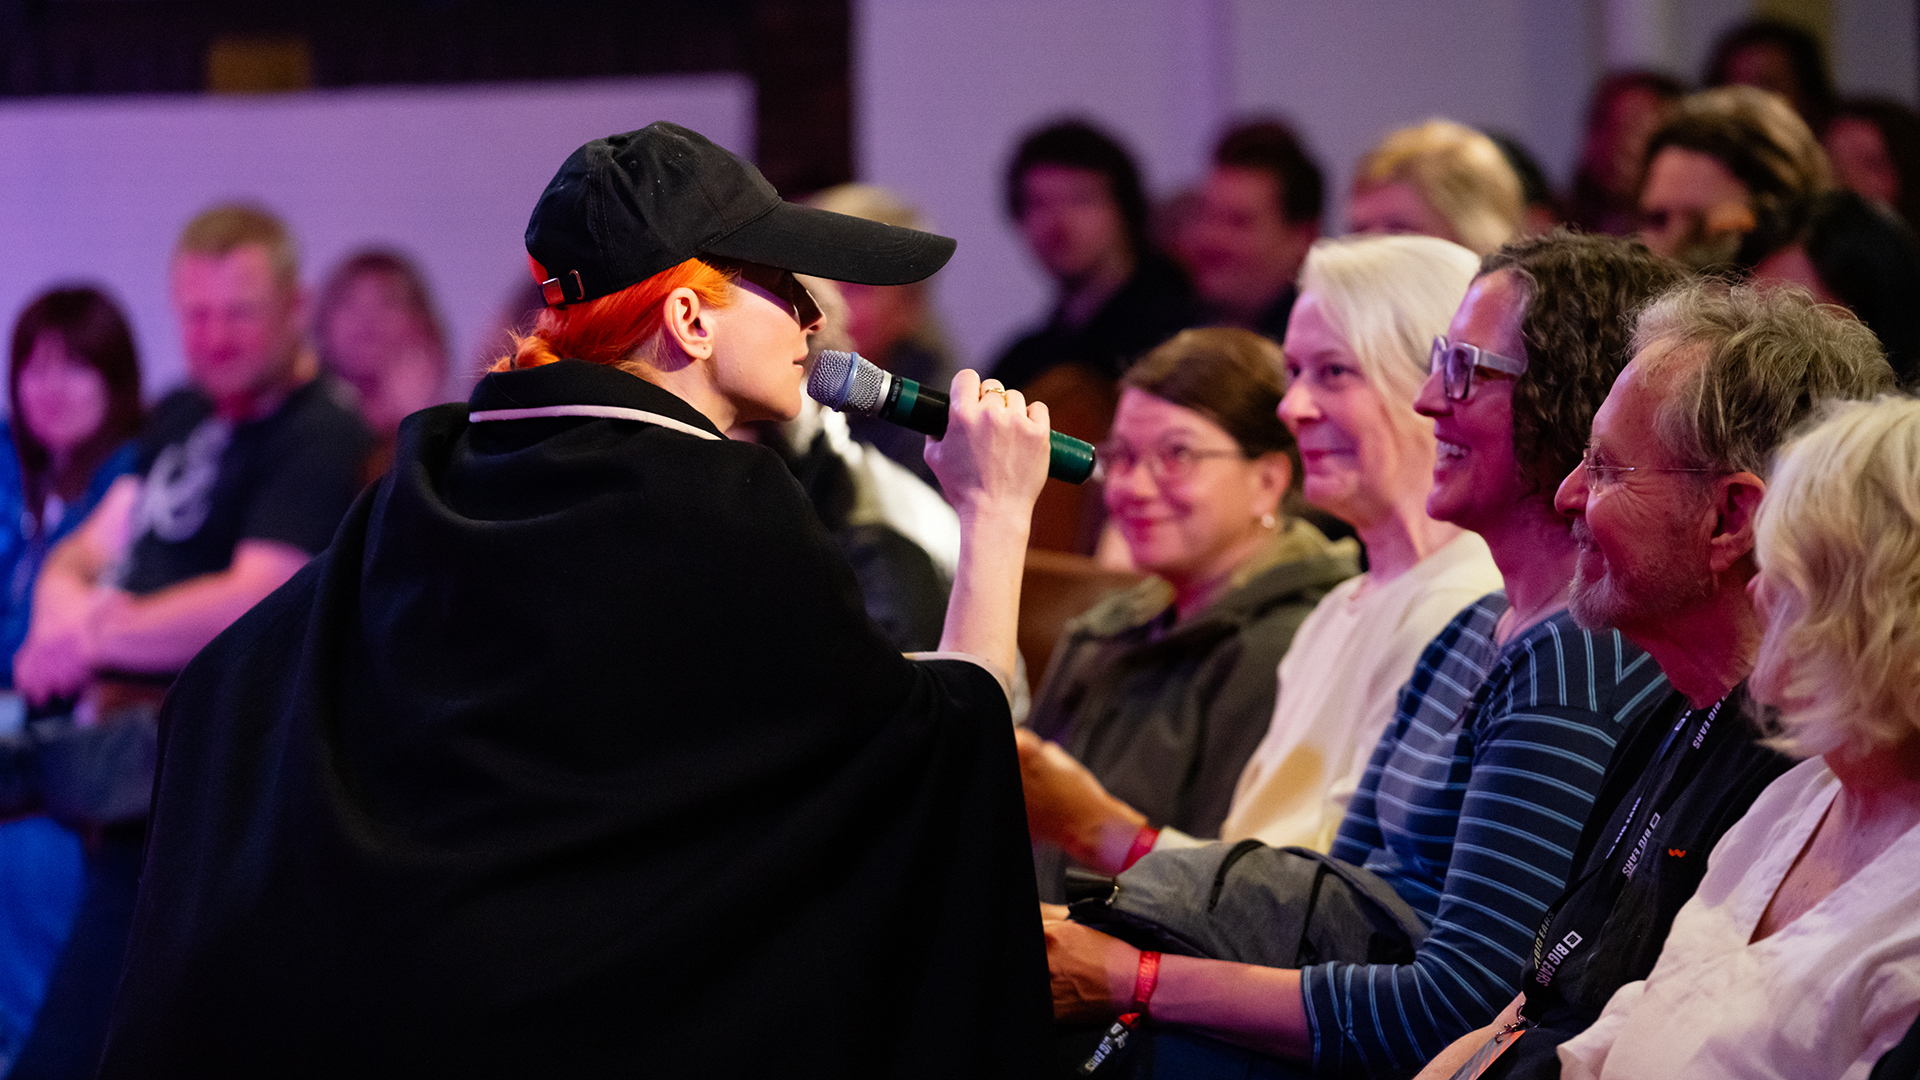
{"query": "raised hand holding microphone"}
(851, 383)
(991, 464)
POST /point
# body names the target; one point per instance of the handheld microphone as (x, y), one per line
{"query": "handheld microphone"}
(851, 383)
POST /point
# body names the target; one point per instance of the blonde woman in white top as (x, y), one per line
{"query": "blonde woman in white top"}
(1799, 956)
(1357, 351)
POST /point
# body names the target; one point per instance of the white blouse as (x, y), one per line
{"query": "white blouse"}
(1824, 996)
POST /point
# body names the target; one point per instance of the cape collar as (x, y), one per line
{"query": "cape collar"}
(596, 389)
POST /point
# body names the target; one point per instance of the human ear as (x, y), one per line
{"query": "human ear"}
(1273, 475)
(1736, 505)
(687, 324)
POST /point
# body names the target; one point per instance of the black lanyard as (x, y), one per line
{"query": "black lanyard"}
(1565, 947)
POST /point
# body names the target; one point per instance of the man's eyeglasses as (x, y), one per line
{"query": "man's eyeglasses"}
(1456, 361)
(1602, 474)
(1169, 464)
(781, 284)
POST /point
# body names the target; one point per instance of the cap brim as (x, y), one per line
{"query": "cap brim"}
(837, 246)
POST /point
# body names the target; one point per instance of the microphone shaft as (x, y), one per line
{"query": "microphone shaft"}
(924, 409)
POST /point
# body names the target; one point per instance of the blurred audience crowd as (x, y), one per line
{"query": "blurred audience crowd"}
(1530, 577)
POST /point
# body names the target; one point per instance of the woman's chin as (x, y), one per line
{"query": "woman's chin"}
(1333, 495)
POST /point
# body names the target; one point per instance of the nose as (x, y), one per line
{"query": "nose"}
(1432, 399)
(1571, 498)
(1296, 406)
(1132, 482)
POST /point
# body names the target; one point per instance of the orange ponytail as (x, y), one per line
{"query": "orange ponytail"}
(607, 329)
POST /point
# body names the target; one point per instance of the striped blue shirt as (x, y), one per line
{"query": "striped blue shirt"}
(1470, 808)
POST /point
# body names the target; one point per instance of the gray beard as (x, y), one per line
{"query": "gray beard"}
(1595, 605)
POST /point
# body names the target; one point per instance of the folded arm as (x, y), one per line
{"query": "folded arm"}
(81, 624)
(163, 630)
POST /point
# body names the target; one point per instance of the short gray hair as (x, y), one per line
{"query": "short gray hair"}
(1744, 366)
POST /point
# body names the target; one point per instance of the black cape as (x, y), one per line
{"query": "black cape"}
(576, 755)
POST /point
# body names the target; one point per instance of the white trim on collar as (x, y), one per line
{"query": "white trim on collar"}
(605, 412)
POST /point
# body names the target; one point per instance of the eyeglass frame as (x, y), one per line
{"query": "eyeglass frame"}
(1605, 476)
(1107, 461)
(1492, 361)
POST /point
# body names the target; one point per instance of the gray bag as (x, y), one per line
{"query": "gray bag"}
(1247, 902)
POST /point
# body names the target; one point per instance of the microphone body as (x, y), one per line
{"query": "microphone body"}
(851, 383)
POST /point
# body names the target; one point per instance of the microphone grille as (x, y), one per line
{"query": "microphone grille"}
(847, 381)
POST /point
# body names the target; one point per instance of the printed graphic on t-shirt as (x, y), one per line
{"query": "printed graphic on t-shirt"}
(178, 492)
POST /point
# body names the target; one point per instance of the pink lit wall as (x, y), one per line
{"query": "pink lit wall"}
(97, 189)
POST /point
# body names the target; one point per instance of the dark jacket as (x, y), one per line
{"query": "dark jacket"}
(1678, 781)
(577, 755)
(1153, 305)
(1165, 714)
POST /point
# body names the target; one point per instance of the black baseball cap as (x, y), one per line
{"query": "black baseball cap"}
(623, 208)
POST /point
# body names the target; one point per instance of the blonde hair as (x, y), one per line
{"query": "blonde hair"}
(869, 201)
(219, 231)
(875, 203)
(1839, 536)
(1460, 172)
(1388, 297)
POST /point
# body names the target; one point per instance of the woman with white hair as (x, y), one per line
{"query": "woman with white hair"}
(1799, 956)
(1356, 355)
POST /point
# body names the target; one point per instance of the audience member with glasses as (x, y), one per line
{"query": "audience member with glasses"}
(1477, 791)
(1354, 353)
(1161, 691)
(1799, 955)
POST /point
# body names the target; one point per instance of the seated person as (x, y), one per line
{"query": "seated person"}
(1728, 177)
(895, 326)
(1779, 57)
(1861, 256)
(74, 388)
(1663, 506)
(1355, 359)
(1625, 108)
(1874, 146)
(1075, 195)
(241, 477)
(1163, 689)
(1799, 956)
(1258, 213)
(1477, 791)
(376, 329)
(1438, 179)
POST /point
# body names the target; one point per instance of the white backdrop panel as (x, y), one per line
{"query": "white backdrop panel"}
(97, 189)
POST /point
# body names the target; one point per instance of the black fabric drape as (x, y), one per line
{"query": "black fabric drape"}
(575, 755)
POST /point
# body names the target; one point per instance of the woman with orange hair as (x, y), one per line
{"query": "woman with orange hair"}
(577, 754)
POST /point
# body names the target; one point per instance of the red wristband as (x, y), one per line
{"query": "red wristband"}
(1144, 981)
(1143, 842)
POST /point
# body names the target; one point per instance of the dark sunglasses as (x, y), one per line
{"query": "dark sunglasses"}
(1456, 361)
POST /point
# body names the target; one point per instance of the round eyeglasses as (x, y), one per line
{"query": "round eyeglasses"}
(1172, 463)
